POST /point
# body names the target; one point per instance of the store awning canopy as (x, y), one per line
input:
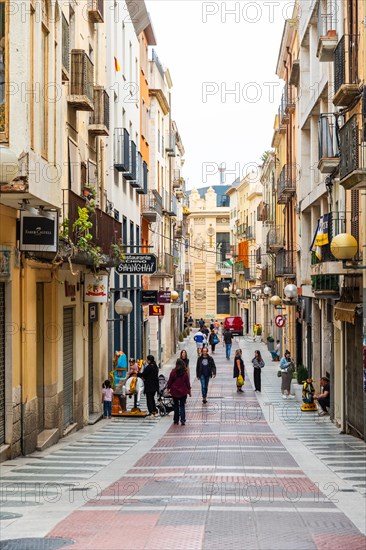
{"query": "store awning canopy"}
(346, 312)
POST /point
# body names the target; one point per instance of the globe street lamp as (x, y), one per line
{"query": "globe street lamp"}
(275, 300)
(226, 290)
(174, 295)
(8, 165)
(123, 306)
(290, 291)
(267, 290)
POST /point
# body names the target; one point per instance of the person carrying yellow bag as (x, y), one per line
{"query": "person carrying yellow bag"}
(239, 370)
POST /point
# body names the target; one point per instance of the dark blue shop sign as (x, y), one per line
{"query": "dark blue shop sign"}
(138, 264)
(149, 296)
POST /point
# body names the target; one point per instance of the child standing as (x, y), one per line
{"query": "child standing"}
(107, 396)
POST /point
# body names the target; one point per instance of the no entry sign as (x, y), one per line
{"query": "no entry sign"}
(280, 321)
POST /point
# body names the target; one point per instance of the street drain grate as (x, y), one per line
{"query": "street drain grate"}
(8, 515)
(35, 544)
(347, 490)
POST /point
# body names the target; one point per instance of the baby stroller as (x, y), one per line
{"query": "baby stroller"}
(165, 403)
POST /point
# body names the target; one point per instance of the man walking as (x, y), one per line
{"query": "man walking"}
(205, 370)
(228, 340)
(199, 338)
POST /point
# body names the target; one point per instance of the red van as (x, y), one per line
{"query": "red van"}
(234, 324)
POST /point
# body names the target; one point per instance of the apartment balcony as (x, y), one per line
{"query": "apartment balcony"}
(151, 206)
(131, 175)
(250, 232)
(169, 204)
(140, 184)
(81, 95)
(330, 225)
(285, 264)
(105, 230)
(250, 274)
(287, 104)
(294, 78)
(275, 239)
(177, 180)
(121, 150)
(178, 230)
(99, 119)
(179, 193)
(170, 144)
(346, 80)
(166, 266)
(286, 183)
(224, 269)
(325, 286)
(96, 11)
(327, 33)
(352, 149)
(328, 145)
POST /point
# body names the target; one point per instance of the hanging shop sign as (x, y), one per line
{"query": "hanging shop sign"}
(164, 297)
(96, 288)
(280, 321)
(156, 311)
(138, 264)
(149, 296)
(38, 233)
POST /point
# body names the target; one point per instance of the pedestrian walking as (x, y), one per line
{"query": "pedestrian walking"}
(107, 396)
(228, 340)
(199, 338)
(179, 387)
(258, 365)
(213, 340)
(150, 377)
(239, 370)
(324, 397)
(217, 326)
(184, 357)
(190, 321)
(205, 331)
(201, 323)
(205, 369)
(286, 366)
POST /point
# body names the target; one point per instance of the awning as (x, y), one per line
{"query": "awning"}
(346, 312)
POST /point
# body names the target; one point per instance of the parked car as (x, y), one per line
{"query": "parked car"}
(234, 324)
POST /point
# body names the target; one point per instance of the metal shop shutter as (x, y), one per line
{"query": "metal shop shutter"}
(2, 363)
(68, 359)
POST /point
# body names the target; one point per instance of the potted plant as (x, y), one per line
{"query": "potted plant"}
(270, 343)
(181, 341)
(300, 376)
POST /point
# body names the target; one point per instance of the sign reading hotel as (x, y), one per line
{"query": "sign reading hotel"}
(138, 264)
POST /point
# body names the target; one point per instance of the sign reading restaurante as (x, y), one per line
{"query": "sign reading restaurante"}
(136, 264)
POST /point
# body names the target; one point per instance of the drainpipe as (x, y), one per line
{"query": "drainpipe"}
(22, 356)
(101, 174)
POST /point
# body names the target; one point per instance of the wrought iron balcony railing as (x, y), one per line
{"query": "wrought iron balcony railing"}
(99, 119)
(327, 34)
(328, 143)
(287, 105)
(352, 148)
(250, 232)
(262, 212)
(346, 78)
(139, 184)
(166, 266)
(81, 81)
(275, 239)
(105, 230)
(121, 150)
(285, 264)
(96, 10)
(329, 226)
(286, 183)
(151, 205)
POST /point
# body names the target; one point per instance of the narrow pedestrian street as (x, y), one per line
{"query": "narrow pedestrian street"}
(247, 468)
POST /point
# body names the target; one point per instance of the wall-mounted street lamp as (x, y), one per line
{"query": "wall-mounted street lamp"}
(174, 295)
(290, 291)
(344, 247)
(267, 290)
(275, 300)
(123, 306)
(226, 290)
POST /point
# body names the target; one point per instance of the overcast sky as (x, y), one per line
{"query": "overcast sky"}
(207, 56)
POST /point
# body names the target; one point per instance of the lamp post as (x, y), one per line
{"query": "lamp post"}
(123, 307)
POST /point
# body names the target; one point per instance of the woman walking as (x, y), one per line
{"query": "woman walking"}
(205, 369)
(239, 369)
(150, 377)
(184, 357)
(213, 340)
(258, 365)
(179, 387)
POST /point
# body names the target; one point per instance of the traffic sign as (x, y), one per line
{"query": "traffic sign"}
(280, 321)
(138, 264)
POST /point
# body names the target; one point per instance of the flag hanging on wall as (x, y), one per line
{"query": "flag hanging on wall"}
(116, 65)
